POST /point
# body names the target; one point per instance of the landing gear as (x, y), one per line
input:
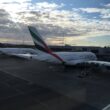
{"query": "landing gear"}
(85, 71)
(83, 74)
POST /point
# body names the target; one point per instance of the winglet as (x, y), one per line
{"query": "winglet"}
(40, 44)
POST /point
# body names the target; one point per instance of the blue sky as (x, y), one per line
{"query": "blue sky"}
(77, 22)
(69, 4)
(77, 3)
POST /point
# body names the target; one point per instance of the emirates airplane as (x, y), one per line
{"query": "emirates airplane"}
(44, 53)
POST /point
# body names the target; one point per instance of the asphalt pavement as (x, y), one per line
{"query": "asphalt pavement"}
(34, 85)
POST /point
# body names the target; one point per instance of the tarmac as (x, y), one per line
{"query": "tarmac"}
(34, 85)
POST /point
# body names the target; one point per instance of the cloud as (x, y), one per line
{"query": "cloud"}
(91, 10)
(45, 6)
(104, 12)
(5, 22)
(52, 20)
(107, 5)
(13, 1)
(9, 31)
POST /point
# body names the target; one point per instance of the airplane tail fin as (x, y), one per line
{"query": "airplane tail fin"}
(40, 44)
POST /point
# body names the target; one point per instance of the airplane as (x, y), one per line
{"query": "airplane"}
(43, 53)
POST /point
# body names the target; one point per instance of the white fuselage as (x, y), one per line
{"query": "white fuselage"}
(71, 58)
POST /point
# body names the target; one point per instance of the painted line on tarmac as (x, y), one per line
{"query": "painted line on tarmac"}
(106, 107)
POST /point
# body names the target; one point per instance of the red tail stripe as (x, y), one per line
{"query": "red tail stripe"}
(50, 52)
(56, 56)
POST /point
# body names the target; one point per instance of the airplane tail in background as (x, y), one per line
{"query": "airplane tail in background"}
(40, 44)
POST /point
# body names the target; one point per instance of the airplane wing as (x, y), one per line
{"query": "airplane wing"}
(100, 63)
(87, 63)
(97, 64)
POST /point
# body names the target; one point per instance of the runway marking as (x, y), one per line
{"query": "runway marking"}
(106, 107)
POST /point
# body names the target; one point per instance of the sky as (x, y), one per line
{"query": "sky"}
(60, 22)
